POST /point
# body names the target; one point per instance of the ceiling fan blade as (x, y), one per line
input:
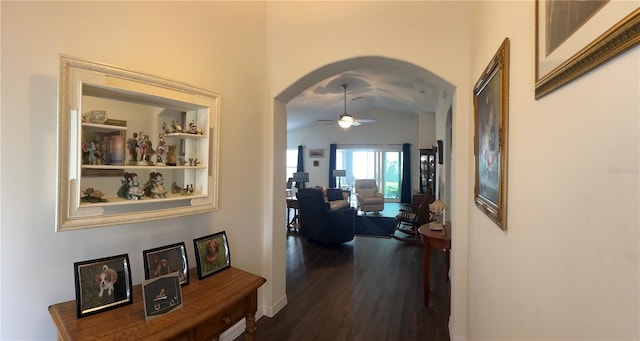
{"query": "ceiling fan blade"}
(355, 124)
(365, 120)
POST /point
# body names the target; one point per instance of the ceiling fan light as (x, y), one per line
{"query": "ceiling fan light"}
(344, 124)
(345, 121)
(347, 118)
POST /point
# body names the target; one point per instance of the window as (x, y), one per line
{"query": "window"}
(292, 162)
(382, 163)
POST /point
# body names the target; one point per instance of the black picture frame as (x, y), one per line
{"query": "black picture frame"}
(161, 295)
(212, 254)
(102, 284)
(165, 260)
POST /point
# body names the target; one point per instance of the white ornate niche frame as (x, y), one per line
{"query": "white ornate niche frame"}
(83, 80)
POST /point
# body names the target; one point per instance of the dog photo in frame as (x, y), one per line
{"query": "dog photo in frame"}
(165, 260)
(212, 254)
(102, 284)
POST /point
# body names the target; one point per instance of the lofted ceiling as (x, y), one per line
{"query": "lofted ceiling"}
(384, 87)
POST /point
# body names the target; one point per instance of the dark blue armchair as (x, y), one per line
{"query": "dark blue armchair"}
(319, 223)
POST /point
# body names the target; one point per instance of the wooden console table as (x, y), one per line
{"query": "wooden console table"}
(435, 239)
(210, 306)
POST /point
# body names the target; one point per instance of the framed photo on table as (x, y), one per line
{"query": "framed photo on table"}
(574, 37)
(491, 116)
(212, 254)
(102, 284)
(161, 295)
(165, 260)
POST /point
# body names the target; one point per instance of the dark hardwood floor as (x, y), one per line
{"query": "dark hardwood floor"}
(367, 289)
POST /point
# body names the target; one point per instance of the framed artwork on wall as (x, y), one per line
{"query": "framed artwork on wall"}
(491, 112)
(316, 153)
(574, 37)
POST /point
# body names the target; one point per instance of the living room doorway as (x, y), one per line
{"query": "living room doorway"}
(280, 134)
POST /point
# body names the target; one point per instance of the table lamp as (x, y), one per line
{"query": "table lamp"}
(339, 173)
(439, 209)
(301, 177)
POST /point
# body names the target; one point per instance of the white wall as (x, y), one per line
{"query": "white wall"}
(214, 45)
(389, 129)
(567, 268)
(427, 124)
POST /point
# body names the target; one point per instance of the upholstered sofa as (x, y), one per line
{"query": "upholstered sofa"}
(369, 199)
(319, 222)
(335, 197)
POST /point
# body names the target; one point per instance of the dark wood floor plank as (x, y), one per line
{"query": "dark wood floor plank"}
(367, 289)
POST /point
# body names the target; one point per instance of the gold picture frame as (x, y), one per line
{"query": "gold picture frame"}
(605, 30)
(491, 116)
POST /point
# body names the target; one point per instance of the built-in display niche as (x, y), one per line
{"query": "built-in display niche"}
(133, 147)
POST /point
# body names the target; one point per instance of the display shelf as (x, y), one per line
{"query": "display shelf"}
(150, 167)
(144, 113)
(185, 135)
(104, 128)
(117, 201)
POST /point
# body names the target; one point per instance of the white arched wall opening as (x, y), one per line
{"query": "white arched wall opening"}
(275, 238)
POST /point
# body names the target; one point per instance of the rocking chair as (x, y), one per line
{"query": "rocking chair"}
(411, 217)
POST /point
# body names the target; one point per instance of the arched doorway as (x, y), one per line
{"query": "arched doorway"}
(441, 113)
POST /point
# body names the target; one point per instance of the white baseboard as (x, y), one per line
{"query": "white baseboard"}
(455, 337)
(274, 309)
(238, 328)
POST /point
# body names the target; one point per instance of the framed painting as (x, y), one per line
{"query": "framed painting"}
(102, 284)
(491, 112)
(212, 254)
(574, 37)
(316, 153)
(165, 260)
(161, 295)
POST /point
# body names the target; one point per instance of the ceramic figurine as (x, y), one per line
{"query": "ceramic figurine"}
(135, 192)
(158, 190)
(166, 128)
(93, 195)
(145, 148)
(193, 128)
(175, 188)
(176, 127)
(92, 153)
(171, 155)
(149, 184)
(132, 145)
(124, 187)
(160, 151)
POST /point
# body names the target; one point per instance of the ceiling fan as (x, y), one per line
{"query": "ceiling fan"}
(345, 121)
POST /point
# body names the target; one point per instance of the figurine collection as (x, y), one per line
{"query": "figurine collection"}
(142, 153)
